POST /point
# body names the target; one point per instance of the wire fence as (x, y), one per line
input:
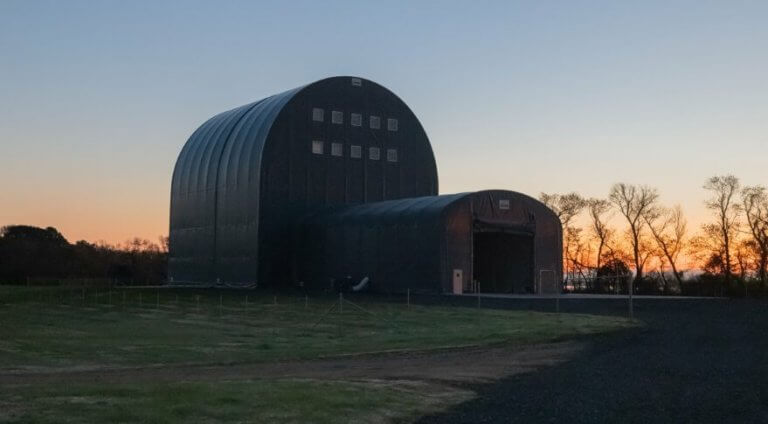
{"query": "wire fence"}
(309, 308)
(654, 284)
(318, 308)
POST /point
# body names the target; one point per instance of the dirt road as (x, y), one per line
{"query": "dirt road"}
(467, 365)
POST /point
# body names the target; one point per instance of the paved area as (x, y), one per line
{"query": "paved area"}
(581, 296)
(695, 362)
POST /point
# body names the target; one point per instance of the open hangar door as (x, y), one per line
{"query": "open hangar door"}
(503, 262)
(502, 242)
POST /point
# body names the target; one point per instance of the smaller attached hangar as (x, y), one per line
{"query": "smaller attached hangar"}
(496, 241)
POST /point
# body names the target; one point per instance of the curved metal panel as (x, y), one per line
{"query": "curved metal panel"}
(196, 187)
(220, 195)
(416, 243)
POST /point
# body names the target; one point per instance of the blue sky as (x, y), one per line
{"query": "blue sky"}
(98, 97)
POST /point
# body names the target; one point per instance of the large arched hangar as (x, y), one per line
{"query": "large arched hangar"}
(245, 176)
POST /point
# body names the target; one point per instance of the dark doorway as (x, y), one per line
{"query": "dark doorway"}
(503, 262)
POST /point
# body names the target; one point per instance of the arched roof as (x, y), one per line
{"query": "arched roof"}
(214, 152)
(224, 149)
(219, 191)
(411, 210)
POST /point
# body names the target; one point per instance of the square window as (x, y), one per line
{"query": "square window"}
(504, 204)
(375, 122)
(356, 82)
(392, 124)
(391, 155)
(374, 153)
(337, 117)
(318, 114)
(317, 147)
(337, 149)
(356, 120)
(355, 152)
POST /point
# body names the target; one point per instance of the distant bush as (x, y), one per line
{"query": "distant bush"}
(43, 254)
(715, 284)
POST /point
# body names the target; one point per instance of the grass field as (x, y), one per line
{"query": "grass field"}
(261, 401)
(64, 329)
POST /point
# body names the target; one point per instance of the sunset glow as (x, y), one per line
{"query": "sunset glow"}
(526, 97)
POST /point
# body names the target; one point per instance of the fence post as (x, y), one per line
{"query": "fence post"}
(631, 305)
(478, 294)
(408, 298)
(341, 303)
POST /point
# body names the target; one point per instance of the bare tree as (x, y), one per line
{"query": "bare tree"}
(163, 243)
(723, 204)
(661, 259)
(707, 250)
(567, 207)
(598, 210)
(741, 252)
(669, 229)
(633, 202)
(755, 205)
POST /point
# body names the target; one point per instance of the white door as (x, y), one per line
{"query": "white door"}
(458, 281)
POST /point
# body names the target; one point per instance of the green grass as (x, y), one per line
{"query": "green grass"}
(60, 329)
(286, 401)
(56, 328)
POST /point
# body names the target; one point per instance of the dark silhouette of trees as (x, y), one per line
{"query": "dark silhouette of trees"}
(25, 249)
(613, 276)
(32, 252)
(657, 246)
(755, 206)
(633, 202)
(598, 211)
(567, 207)
(723, 204)
(669, 229)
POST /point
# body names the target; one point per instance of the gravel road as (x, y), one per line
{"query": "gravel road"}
(703, 361)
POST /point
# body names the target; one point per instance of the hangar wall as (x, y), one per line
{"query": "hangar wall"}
(418, 243)
(246, 175)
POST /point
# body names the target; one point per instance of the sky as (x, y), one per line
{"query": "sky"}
(98, 97)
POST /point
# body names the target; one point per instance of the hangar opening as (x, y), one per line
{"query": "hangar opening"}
(503, 262)
(337, 180)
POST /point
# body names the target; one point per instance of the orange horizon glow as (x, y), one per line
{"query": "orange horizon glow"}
(145, 214)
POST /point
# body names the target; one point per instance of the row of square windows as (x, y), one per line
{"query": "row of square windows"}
(356, 119)
(355, 152)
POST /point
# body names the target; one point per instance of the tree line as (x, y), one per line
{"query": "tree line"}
(33, 253)
(629, 239)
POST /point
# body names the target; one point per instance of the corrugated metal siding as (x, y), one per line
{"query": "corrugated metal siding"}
(246, 174)
(209, 171)
(415, 243)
